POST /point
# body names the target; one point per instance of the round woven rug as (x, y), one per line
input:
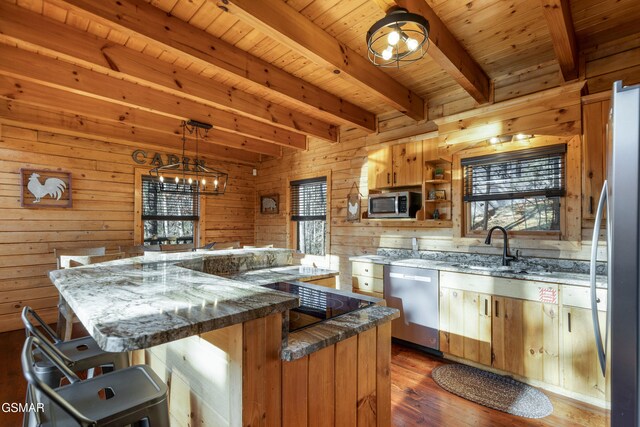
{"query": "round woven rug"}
(494, 391)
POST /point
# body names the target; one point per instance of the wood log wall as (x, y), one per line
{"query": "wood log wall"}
(102, 212)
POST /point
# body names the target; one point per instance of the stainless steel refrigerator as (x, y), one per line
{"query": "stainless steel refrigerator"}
(618, 342)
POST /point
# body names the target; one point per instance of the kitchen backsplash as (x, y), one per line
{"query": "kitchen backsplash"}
(529, 263)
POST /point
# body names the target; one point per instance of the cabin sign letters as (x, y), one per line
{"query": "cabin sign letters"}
(141, 157)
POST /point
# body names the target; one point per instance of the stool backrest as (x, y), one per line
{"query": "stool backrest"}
(28, 369)
(77, 260)
(31, 329)
(62, 255)
(181, 247)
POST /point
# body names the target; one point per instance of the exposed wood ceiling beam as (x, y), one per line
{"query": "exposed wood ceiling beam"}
(71, 124)
(20, 25)
(447, 52)
(140, 19)
(62, 75)
(51, 98)
(563, 37)
(285, 25)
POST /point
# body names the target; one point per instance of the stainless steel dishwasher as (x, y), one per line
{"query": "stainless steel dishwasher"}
(413, 291)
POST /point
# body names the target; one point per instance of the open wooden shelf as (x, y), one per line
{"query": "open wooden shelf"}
(438, 181)
(437, 201)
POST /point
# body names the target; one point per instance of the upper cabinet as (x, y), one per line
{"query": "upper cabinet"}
(396, 166)
(595, 114)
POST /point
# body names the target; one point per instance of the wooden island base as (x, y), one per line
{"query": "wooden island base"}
(235, 377)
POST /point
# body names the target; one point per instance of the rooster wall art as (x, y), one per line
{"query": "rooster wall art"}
(53, 187)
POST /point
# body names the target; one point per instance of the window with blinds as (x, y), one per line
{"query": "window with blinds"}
(167, 217)
(519, 190)
(309, 210)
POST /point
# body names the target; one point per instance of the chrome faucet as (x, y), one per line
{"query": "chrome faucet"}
(506, 258)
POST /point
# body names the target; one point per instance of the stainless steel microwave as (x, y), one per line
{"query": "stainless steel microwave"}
(401, 204)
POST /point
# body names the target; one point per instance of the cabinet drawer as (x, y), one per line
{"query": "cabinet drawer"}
(580, 296)
(368, 284)
(366, 269)
(372, 294)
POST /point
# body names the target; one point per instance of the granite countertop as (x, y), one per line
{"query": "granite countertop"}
(140, 302)
(491, 268)
(282, 274)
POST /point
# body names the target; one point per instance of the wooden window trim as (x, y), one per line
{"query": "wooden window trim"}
(138, 229)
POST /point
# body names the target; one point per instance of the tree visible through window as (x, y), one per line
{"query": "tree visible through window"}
(309, 211)
(519, 190)
(168, 217)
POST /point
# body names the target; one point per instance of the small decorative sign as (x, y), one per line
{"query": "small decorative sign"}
(45, 189)
(548, 295)
(353, 204)
(269, 204)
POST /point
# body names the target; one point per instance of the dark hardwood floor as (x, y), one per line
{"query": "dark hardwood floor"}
(416, 399)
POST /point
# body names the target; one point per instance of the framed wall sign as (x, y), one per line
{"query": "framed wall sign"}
(353, 204)
(269, 204)
(45, 189)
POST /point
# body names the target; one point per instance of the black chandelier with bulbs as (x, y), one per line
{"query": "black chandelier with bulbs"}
(399, 38)
(192, 176)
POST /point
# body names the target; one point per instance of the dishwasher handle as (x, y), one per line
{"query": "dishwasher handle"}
(411, 277)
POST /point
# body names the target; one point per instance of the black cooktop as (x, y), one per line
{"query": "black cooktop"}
(317, 305)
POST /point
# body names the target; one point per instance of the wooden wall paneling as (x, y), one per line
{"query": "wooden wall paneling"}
(367, 402)
(346, 390)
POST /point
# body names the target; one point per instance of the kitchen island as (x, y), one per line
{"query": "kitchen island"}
(223, 344)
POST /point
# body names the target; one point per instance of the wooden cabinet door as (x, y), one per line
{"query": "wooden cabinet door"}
(580, 367)
(525, 338)
(407, 164)
(595, 116)
(379, 168)
(465, 325)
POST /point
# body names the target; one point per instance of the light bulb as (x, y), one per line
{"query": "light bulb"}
(412, 44)
(190, 181)
(161, 178)
(204, 182)
(494, 140)
(520, 136)
(386, 54)
(393, 38)
(177, 180)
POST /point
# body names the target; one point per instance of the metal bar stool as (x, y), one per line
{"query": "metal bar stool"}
(78, 354)
(114, 399)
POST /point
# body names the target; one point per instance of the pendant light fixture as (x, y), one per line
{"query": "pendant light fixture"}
(190, 175)
(399, 38)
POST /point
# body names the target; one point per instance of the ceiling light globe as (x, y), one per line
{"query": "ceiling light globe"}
(393, 38)
(387, 53)
(177, 180)
(412, 44)
(190, 181)
(161, 178)
(204, 182)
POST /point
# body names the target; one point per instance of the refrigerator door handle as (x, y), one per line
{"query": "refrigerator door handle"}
(592, 277)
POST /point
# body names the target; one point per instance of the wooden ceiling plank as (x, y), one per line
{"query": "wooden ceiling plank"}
(558, 16)
(447, 52)
(136, 17)
(23, 25)
(51, 98)
(71, 124)
(56, 73)
(284, 24)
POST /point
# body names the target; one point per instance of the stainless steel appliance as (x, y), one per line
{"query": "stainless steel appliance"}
(317, 305)
(413, 291)
(618, 348)
(401, 204)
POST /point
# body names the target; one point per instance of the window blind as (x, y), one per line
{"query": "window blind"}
(309, 199)
(157, 205)
(516, 174)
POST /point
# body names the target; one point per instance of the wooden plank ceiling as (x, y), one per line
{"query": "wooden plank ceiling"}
(142, 66)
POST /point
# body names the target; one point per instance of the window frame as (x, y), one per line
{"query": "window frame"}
(292, 226)
(570, 203)
(138, 223)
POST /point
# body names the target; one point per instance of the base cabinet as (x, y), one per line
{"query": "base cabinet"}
(465, 324)
(524, 339)
(581, 369)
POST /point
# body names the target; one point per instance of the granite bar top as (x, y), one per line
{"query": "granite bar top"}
(144, 301)
(487, 265)
(282, 274)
